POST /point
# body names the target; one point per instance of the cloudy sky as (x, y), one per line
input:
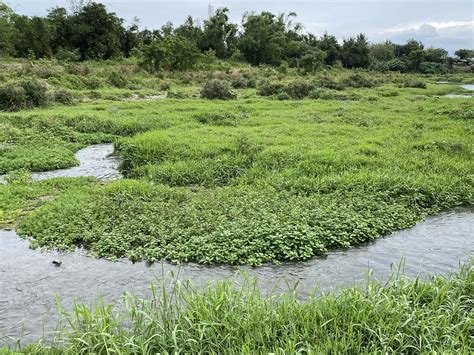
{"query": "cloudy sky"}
(447, 24)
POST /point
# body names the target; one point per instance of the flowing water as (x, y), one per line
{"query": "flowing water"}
(96, 160)
(30, 282)
(459, 96)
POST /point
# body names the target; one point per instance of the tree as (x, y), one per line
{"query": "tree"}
(312, 60)
(33, 36)
(356, 52)
(404, 50)
(191, 30)
(131, 38)
(7, 31)
(218, 34)
(332, 48)
(383, 51)
(169, 53)
(263, 40)
(436, 55)
(97, 34)
(464, 54)
(415, 58)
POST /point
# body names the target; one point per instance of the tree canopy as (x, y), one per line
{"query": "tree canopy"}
(90, 32)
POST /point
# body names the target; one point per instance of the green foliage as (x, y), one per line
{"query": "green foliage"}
(219, 35)
(217, 89)
(267, 88)
(170, 53)
(21, 176)
(403, 316)
(64, 96)
(285, 183)
(312, 60)
(263, 40)
(464, 53)
(414, 83)
(355, 52)
(26, 94)
(118, 80)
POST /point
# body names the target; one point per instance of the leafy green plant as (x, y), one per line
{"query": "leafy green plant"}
(217, 89)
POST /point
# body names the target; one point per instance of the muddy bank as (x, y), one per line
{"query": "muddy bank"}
(29, 281)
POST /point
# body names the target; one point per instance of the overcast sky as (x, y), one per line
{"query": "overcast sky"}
(447, 24)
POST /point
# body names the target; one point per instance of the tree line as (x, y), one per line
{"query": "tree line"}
(90, 32)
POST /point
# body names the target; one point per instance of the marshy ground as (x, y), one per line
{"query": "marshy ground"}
(292, 168)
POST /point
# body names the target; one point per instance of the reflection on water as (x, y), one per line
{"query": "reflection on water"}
(29, 281)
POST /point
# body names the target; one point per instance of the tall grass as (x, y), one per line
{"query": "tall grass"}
(405, 316)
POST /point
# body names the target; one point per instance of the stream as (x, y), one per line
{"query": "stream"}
(30, 282)
(459, 96)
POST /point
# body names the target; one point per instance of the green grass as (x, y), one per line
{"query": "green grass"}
(405, 316)
(249, 181)
(261, 180)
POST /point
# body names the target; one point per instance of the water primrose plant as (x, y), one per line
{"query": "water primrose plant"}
(403, 317)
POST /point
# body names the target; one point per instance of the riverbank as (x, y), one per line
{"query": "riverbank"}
(30, 282)
(405, 316)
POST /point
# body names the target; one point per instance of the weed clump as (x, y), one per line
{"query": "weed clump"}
(217, 89)
(26, 94)
(269, 88)
(20, 176)
(117, 80)
(64, 96)
(413, 83)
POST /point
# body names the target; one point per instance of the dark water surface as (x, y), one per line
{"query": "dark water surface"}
(29, 282)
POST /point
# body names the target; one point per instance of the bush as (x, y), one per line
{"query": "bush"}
(20, 176)
(414, 83)
(29, 93)
(299, 89)
(330, 82)
(222, 119)
(64, 96)
(217, 89)
(359, 80)
(165, 86)
(36, 92)
(267, 88)
(12, 98)
(117, 80)
(176, 95)
(241, 81)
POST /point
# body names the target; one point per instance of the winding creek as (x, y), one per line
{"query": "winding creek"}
(29, 282)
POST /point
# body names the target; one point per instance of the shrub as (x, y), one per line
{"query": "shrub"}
(243, 81)
(330, 82)
(299, 89)
(64, 96)
(414, 83)
(36, 92)
(12, 98)
(217, 89)
(176, 95)
(29, 93)
(165, 86)
(20, 176)
(359, 80)
(267, 88)
(222, 119)
(117, 80)
(78, 69)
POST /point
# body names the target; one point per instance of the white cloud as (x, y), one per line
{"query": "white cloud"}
(450, 35)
